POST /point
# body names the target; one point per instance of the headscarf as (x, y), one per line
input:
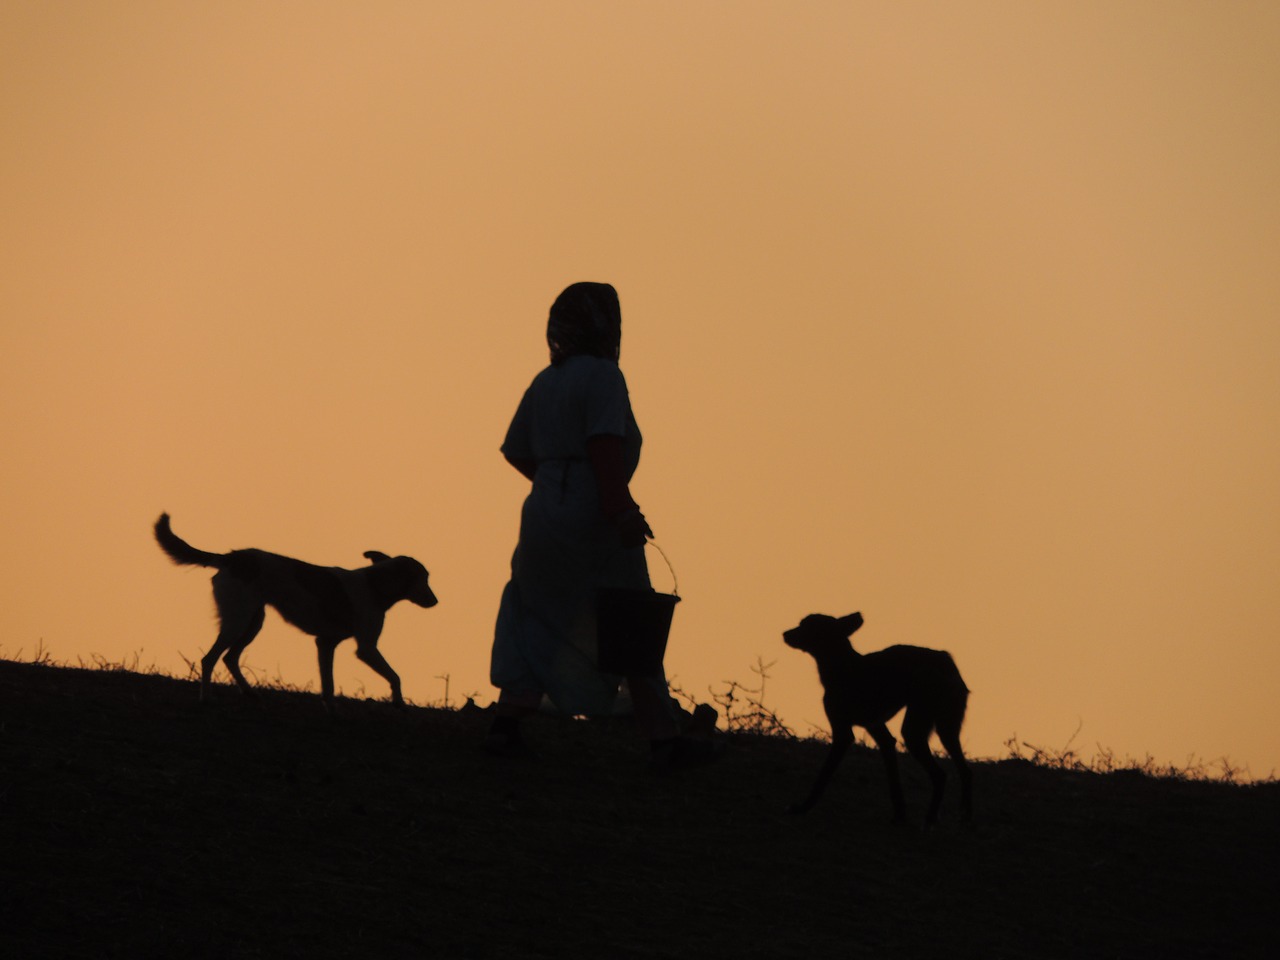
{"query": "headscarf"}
(585, 319)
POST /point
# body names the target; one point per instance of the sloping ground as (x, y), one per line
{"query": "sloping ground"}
(136, 822)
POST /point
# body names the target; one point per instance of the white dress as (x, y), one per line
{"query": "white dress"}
(545, 638)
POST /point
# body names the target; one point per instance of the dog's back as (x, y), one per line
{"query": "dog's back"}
(317, 600)
(908, 674)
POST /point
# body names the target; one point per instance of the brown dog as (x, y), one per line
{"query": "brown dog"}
(330, 603)
(866, 691)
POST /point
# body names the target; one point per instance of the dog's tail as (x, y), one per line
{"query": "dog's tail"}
(182, 552)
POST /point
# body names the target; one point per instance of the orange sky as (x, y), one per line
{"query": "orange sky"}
(963, 315)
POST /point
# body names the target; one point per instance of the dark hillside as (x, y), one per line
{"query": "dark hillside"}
(136, 822)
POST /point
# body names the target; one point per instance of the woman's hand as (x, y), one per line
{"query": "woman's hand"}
(633, 529)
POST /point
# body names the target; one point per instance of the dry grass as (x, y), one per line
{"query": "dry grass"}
(136, 822)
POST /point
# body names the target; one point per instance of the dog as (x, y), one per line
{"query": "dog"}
(329, 603)
(867, 690)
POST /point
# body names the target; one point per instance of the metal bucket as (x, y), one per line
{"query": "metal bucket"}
(632, 627)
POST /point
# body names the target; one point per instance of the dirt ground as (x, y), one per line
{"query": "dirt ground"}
(136, 822)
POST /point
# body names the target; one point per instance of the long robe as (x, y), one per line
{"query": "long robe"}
(545, 637)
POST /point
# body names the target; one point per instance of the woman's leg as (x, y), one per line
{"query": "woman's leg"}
(517, 705)
(652, 705)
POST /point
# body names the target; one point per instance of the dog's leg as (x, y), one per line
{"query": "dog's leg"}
(232, 656)
(949, 734)
(241, 616)
(841, 738)
(210, 661)
(325, 646)
(367, 651)
(225, 599)
(889, 754)
(916, 728)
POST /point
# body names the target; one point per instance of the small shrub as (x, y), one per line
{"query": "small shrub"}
(742, 708)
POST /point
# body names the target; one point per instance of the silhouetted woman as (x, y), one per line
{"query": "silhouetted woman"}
(575, 437)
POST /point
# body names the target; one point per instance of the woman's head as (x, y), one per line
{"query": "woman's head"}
(586, 319)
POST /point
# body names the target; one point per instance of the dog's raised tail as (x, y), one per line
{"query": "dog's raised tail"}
(180, 551)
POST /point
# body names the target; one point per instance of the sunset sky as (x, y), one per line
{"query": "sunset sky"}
(964, 315)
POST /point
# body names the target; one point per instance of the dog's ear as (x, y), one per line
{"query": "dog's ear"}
(376, 556)
(850, 624)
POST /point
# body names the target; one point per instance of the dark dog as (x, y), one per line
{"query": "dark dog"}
(329, 603)
(866, 691)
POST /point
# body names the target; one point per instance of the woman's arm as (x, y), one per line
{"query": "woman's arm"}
(605, 453)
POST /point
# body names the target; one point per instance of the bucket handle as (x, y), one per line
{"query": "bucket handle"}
(674, 582)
